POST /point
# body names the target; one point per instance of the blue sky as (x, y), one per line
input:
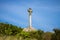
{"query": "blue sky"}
(45, 16)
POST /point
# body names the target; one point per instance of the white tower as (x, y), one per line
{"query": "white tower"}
(30, 28)
(30, 17)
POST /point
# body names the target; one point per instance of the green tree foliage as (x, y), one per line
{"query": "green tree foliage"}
(56, 35)
(47, 36)
(9, 29)
(32, 35)
(37, 34)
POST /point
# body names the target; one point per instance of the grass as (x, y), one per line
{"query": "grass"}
(9, 38)
(14, 38)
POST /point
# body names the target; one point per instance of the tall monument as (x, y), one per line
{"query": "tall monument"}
(30, 17)
(30, 28)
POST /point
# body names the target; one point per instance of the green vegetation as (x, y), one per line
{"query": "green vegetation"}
(12, 32)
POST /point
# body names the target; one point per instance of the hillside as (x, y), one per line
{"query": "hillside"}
(12, 32)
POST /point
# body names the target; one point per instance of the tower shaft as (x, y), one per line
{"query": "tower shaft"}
(30, 21)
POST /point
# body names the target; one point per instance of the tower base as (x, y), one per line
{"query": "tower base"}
(29, 29)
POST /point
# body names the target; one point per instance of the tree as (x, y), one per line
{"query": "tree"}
(9, 29)
(47, 36)
(57, 33)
